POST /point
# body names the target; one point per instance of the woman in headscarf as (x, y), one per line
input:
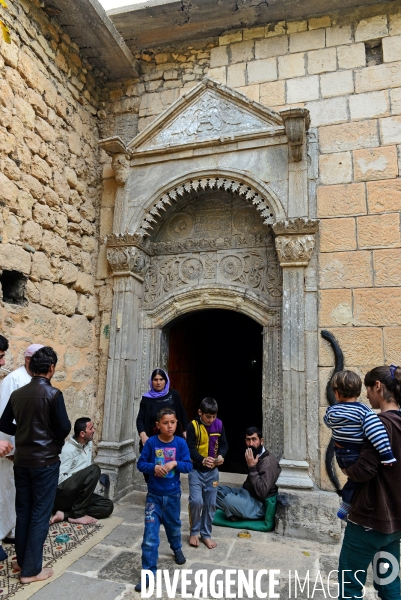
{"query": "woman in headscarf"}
(159, 396)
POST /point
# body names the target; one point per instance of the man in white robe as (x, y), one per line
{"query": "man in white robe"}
(10, 383)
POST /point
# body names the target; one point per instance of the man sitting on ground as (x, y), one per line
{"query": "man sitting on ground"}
(75, 499)
(247, 502)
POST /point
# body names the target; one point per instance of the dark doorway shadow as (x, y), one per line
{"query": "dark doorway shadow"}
(219, 353)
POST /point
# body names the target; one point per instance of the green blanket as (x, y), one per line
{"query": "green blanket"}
(267, 524)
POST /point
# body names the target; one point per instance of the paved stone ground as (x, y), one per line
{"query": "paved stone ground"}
(110, 570)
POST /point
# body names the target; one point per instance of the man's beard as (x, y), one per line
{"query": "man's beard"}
(256, 451)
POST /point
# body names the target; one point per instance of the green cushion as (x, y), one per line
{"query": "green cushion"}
(267, 524)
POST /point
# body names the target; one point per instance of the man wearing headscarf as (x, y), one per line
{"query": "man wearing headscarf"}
(10, 383)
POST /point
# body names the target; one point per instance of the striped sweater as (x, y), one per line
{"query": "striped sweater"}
(354, 422)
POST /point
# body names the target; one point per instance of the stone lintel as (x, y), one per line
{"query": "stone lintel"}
(294, 474)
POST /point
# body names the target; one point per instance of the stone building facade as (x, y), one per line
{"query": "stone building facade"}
(256, 171)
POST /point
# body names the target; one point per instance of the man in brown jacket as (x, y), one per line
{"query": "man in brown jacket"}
(247, 502)
(373, 531)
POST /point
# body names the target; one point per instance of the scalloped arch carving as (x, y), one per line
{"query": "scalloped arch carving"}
(193, 184)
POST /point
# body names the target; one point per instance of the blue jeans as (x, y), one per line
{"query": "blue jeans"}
(202, 500)
(358, 551)
(345, 458)
(34, 499)
(160, 510)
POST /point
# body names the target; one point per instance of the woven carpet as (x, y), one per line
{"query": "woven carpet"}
(57, 556)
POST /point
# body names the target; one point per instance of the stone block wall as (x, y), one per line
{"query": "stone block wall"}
(50, 189)
(346, 69)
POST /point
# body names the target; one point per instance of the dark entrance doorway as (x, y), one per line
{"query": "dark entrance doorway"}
(219, 353)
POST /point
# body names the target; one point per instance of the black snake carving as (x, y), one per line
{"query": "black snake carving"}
(338, 366)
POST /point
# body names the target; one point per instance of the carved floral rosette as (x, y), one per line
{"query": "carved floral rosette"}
(295, 241)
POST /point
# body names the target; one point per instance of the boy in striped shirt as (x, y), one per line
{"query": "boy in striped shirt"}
(351, 422)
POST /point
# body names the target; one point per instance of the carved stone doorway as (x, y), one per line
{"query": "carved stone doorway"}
(219, 353)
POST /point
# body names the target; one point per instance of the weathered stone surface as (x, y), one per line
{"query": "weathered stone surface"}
(14, 258)
(242, 51)
(387, 267)
(325, 112)
(303, 89)
(350, 57)
(378, 306)
(336, 84)
(335, 308)
(68, 273)
(337, 36)
(361, 346)
(8, 190)
(379, 231)
(366, 106)
(291, 65)
(350, 136)
(378, 77)
(345, 270)
(270, 47)
(81, 332)
(272, 94)
(392, 345)
(372, 28)
(32, 234)
(335, 168)
(337, 235)
(218, 57)
(320, 61)
(41, 268)
(377, 163)
(307, 40)
(54, 244)
(384, 195)
(390, 130)
(84, 284)
(260, 71)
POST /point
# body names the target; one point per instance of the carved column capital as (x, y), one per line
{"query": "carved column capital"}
(127, 260)
(295, 241)
(296, 123)
(121, 168)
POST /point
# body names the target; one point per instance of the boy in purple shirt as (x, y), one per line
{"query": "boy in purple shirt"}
(208, 446)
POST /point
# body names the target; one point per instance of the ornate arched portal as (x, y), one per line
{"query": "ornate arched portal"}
(213, 210)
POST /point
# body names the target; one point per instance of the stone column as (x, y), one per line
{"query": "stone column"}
(295, 241)
(296, 123)
(116, 450)
(121, 167)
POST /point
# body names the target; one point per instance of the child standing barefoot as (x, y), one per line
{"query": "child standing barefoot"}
(163, 458)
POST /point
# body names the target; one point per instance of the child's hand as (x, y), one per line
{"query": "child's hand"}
(160, 470)
(209, 462)
(170, 465)
(219, 460)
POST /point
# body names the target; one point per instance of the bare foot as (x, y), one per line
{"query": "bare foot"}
(44, 574)
(57, 518)
(209, 543)
(15, 566)
(86, 520)
(194, 541)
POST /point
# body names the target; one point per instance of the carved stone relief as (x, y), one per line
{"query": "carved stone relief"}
(180, 192)
(212, 239)
(210, 116)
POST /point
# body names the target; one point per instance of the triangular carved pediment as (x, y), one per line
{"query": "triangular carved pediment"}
(210, 111)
